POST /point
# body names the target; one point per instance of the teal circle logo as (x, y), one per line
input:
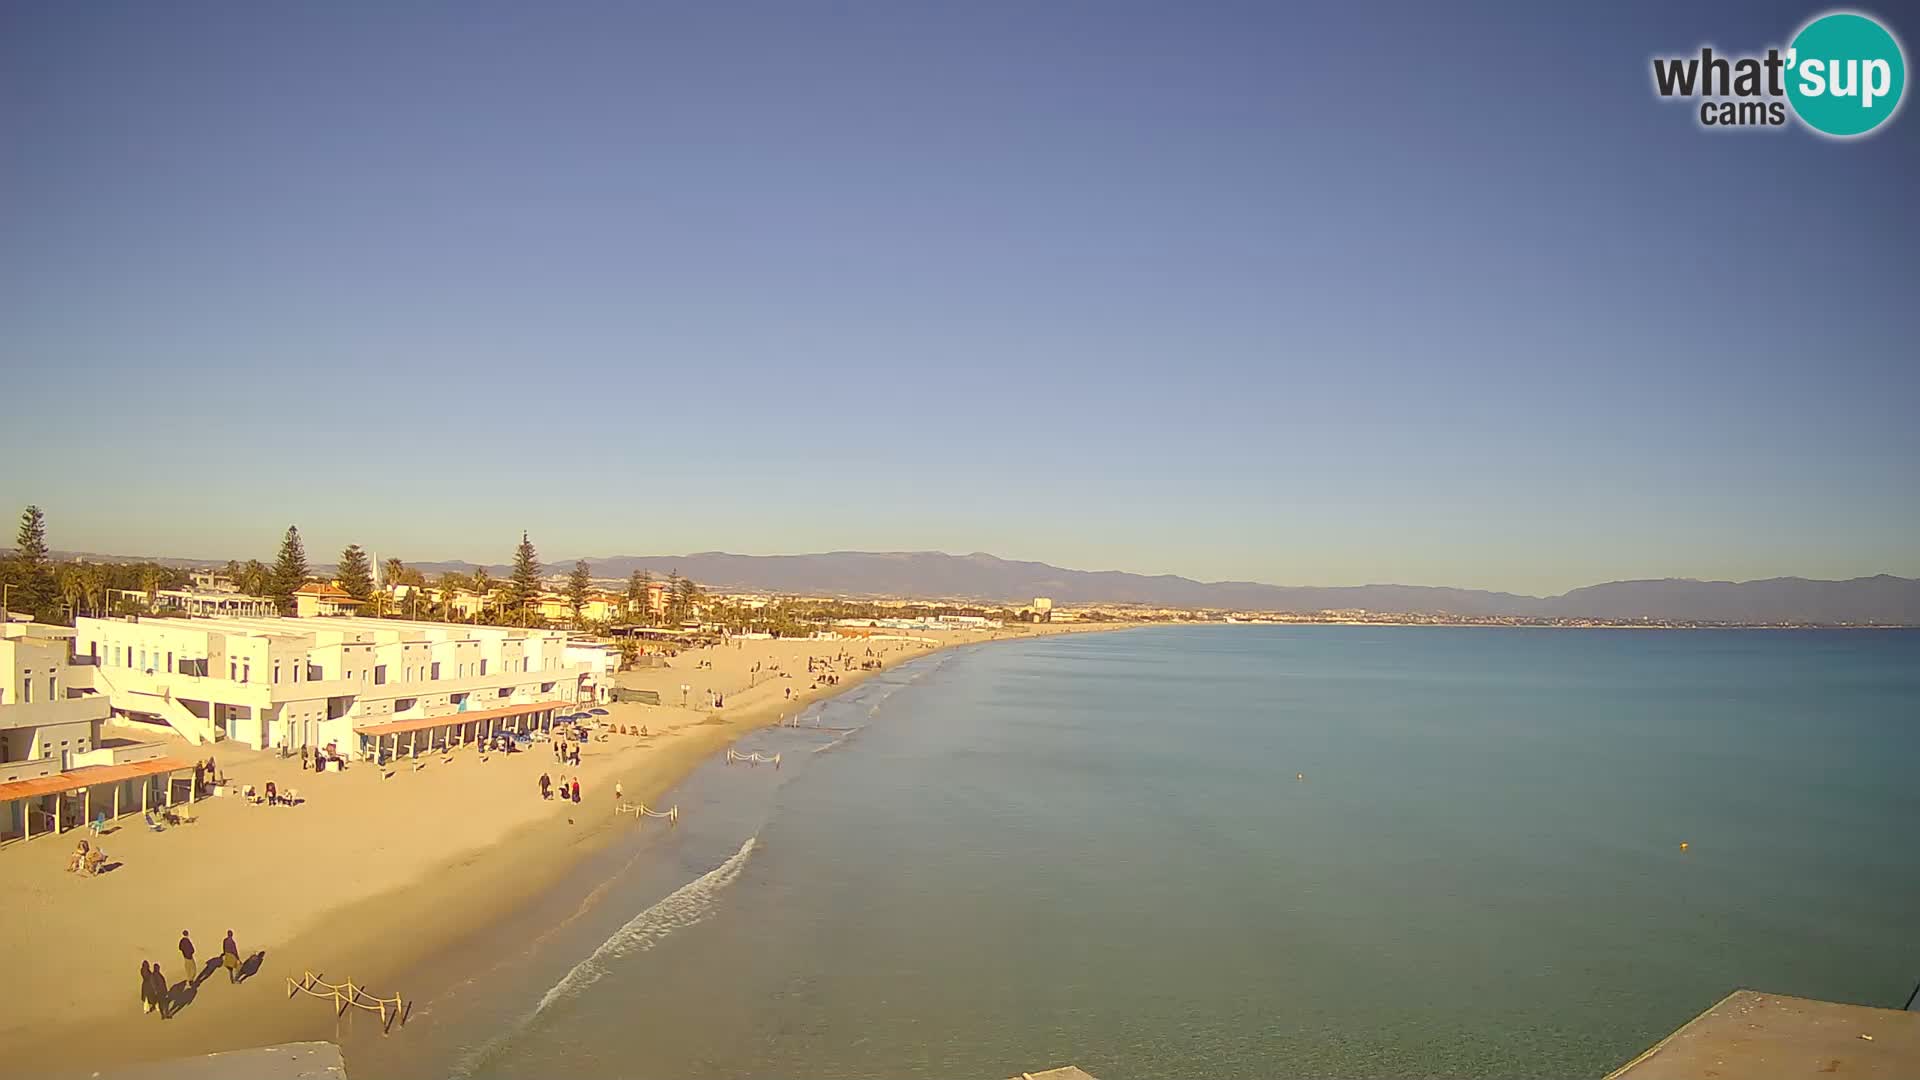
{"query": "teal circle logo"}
(1845, 74)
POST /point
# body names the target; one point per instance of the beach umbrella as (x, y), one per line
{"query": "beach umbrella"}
(598, 712)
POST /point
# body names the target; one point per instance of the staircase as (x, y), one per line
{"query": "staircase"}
(196, 729)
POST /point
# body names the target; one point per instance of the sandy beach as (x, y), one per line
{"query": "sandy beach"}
(373, 871)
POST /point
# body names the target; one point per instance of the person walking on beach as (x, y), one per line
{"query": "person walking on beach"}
(618, 795)
(230, 958)
(186, 955)
(157, 991)
(546, 783)
(146, 987)
(306, 756)
(576, 790)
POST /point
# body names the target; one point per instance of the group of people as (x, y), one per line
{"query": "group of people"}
(318, 759)
(566, 753)
(205, 776)
(568, 790)
(155, 992)
(86, 860)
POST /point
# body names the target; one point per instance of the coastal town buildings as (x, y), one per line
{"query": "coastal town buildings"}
(294, 682)
(316, 599)
(57, 768)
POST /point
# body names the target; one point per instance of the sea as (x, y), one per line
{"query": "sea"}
(1233, 851)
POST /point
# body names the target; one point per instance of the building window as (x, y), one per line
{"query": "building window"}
(276, 673)
(246, 671)
(380, 675)
(483, 667)
(436, 671)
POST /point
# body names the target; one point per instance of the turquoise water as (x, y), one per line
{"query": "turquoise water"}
(1095, 849)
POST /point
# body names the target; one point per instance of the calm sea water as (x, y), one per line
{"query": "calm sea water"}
(1096, 849)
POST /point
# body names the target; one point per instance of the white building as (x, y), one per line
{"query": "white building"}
(55, 772)
(293, 682)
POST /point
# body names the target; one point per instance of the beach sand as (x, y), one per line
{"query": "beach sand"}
(367, 876)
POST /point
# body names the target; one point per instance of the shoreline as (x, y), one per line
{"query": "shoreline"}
(376, 935)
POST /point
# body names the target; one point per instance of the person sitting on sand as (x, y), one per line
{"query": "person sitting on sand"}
(273, 794)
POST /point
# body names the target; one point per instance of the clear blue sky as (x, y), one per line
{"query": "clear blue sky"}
(1354, 293)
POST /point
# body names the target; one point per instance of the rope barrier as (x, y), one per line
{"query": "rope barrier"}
(348, 996)
(671, 813)
(754, 758)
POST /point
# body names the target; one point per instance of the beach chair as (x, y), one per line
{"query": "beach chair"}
(153, 825)
(99, 823)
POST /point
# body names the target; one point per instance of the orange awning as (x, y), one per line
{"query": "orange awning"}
(91, 776)
(395, 727)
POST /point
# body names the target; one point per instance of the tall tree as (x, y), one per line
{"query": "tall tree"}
(393, 571)
(34, 589)
(686, 599)
(290, 569)
(639, 592)
(524, 584)
(483, 584)
(579, 583)
(254, 578)
(32, 539)
(93, 583)
(71, 581)
(356, 574)
(672, 598)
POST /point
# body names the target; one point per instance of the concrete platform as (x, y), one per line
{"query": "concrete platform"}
(1754, 1036)
(289, 1061)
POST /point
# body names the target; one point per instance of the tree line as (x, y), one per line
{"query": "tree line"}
(34, 584)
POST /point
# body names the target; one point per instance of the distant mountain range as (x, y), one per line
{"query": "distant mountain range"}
(1882, 599)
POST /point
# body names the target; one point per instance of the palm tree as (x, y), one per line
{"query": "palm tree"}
(483, 585)
(253, 578)
(93, 583)
(150, 582)
(68, 577)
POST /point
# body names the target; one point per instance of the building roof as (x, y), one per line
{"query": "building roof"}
(326, 592)
(89, 776)
(397, 727)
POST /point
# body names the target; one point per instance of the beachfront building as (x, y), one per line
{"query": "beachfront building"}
(57, 770)
(295, 682)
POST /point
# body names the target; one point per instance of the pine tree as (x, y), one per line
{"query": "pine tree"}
(579, 582)
(524, 584)
(638, 594)
(34, 591)
(289, 570)
(672, 598)
(686, 599)
(356, 574)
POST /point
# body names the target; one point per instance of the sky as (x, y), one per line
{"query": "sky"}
(1414, 293)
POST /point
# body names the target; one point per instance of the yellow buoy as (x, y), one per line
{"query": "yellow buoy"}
(1683, 845)
(1299, 776)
